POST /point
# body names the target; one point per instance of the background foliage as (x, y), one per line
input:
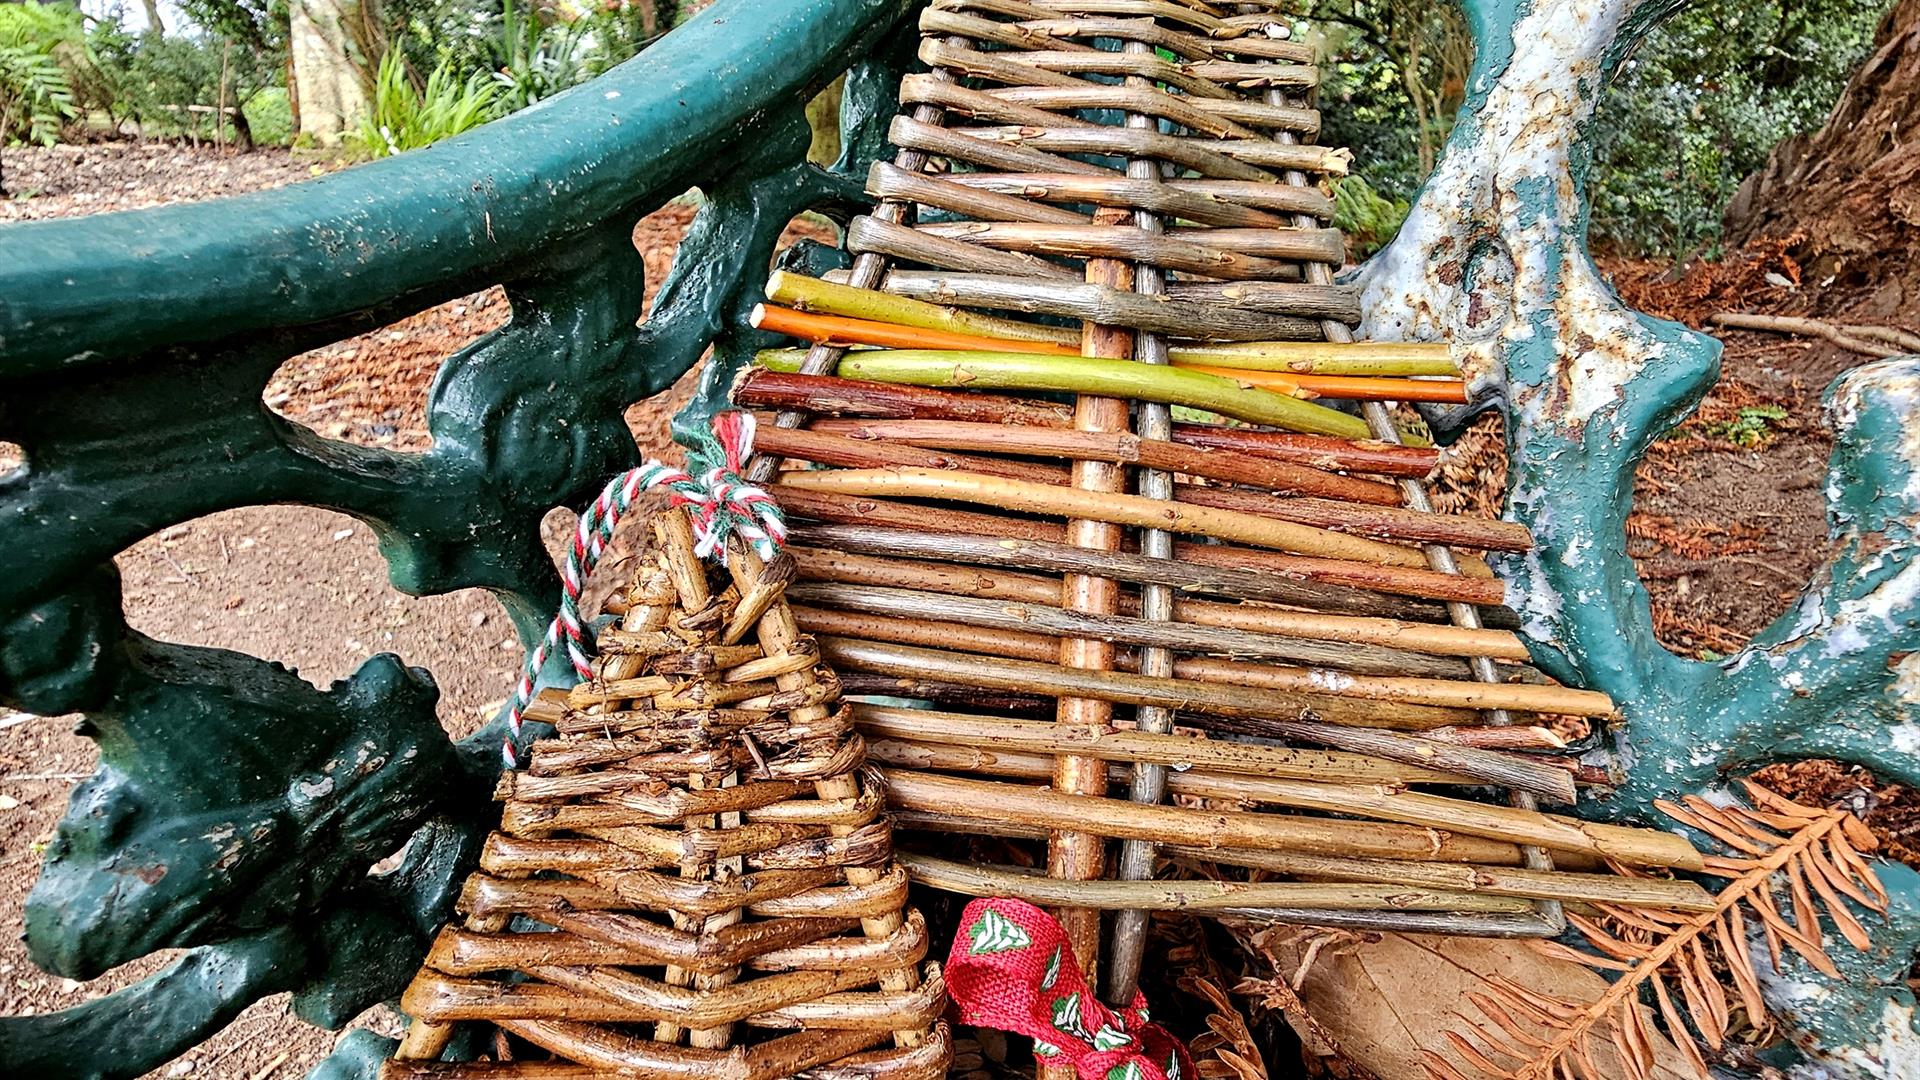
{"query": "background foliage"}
(1694, 110)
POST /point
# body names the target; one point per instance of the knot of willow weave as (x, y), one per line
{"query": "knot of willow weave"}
(721, 502)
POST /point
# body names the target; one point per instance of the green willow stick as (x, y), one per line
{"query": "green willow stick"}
(1301, 357)
(829, 298)
(1101, 378)
(1321, 358)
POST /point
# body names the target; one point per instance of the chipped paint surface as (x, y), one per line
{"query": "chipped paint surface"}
(1491, 257)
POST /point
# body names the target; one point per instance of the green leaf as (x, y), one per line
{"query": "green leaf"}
(1128, 1070)
(1067, 1017)
(1111, 1038)
(1052, 974)
(995, 933)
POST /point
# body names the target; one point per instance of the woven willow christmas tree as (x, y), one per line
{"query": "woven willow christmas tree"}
(694, 877)
(1103, 211)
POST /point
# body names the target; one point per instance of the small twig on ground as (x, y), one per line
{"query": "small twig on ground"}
(1879, 341)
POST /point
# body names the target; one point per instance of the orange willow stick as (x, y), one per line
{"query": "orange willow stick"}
(1352, 387)
(839, 331)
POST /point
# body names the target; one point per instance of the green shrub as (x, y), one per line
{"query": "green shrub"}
(1703, 101)
(152, 80)
(42, 48)
(270, 116)
(404, 118)
(1367, 217)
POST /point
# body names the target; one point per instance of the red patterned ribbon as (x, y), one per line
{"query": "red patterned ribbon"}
(1011, 969)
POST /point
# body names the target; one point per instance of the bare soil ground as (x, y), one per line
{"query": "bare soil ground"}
(1728, 524)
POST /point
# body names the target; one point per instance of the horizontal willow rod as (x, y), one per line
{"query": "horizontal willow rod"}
(1671, 895)
(841, 332)
(1180, 253)
(991, 66)
(1121, 629)
(832, 396)
(1208, 115)
(1440, 693)
(1102, 304)
(934, 20)
(1120, 819)
(1599, 888)
(908, 133)
(1638, 847)
(1227, 159)
(1212, 581)
(885, 181)
(1277, 712)
(906, 565)
(1327, 301)
(865, 449)
(1037, 618)
(1352, 582)
(759, 387)
(1045, 648)
(1309, 358)
(994, 648)
(1152, 195)
(973, 824)
(1345, 387)
(1130, 27)
(1317, 452)
(874, 236)
(828, 449)
(1111, 378)
(1198, 80)
(1182, 752)
(1386, 459)
(1230, 466)
(1379, 522)
(1126, 448)
(1571, 886)
(1116, 509)
(973, 879)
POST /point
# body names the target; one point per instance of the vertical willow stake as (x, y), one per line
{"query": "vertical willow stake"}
(1149, 783)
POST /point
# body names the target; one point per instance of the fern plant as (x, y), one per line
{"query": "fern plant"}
(1812, 857)
(404, 118)
(38, 44)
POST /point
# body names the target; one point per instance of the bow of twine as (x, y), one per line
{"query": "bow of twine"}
(1012, 969)
(723, 504)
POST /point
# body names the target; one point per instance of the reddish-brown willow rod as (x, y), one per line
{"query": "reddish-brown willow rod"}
(842, 509)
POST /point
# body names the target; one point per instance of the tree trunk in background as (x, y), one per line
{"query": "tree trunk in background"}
(332, 95)
(154, 25)
(1852, 189)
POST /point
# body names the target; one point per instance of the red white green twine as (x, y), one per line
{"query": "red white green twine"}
(723, 504)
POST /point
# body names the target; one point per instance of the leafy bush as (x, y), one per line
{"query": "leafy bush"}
(1367, 217)
(1704, 100)
(1697, 107)
(270, 115)
(405, 118)
(42, 46)
(153, 80)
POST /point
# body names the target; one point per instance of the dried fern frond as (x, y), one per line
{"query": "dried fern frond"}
(1812, 857)
(1227, 1048)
